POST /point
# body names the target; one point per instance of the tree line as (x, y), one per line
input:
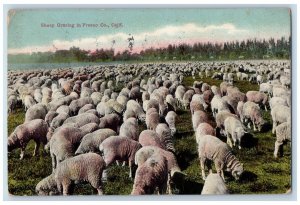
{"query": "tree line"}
(233, 50)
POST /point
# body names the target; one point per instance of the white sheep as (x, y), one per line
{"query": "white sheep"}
(280, 114)
(283, 134)
(214, 184)
(85, 167)
(235, 128)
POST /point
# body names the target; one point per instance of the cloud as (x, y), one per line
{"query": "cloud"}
(170, 34)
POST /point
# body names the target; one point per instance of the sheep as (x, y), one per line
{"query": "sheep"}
(204, 129)
(33, 130)
(75, 105)
(266, 88)
(199, 117)
(58, 120)
(50, 116)
(221, 117)
(85, 167)
(63, 109)
(152, 103)
(111, 121)
(28, 102)
(283, 134)
(279, 91)
(63, 144)
(37, 95)
(86, 108)
(180, 91)
(280, 114)
(171, 102)
(277, 101)
(152, 174)
(92, 141)
(137, 109)
(214, 184)
(257, 97)
(218, 104)
(187, 97)
(82, 119)
(165, 136)
(130, 128)
(119, 148)
(37, 111)
(195, 106)
(150, 138)
(47, 186)
(12, 103)
(223, 88)
(152, 118)
(171, 120)
(252, 111)
(212, 148)
(235, 128)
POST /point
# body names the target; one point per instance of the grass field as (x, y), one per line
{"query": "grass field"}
(263, 173)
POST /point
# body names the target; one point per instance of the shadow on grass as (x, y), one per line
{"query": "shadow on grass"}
(249, 141)
(248, 176)
(191, 187)
(266, 127)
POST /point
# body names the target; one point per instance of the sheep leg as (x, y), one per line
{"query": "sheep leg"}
(66, 185)
(254, 128)
(274, 126)
(277, 145)
(130, 169)
(53, 162)
(266, 108)
(22, 153)
(228, 139)
(239, 144)
(36, 149)
(208, 164)
(202, 164)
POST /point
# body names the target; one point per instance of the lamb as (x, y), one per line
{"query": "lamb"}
(150, 175)
(199, 117)
(84, 167)
(33, 130)
(258, 97)
(214, 184)
(119, 148)
(92, 141)
(171, 120)
(212, 148)
(37, 111)
(280, 114)
(111, 121)
(82, 119)
(204, 129)
(130, 129)
(165, 136)
(180, 90)
(150, 138)
(47, 186)
(252, 111)
(283, 134)
(235, 128)
(152, 118)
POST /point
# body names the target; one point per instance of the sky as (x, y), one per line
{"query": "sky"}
(41, 30)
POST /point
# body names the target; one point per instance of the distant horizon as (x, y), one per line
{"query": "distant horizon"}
(48, 30)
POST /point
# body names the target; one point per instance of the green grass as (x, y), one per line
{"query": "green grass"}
(263, 174)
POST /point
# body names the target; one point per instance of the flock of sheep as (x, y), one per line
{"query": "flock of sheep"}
(85, 125)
